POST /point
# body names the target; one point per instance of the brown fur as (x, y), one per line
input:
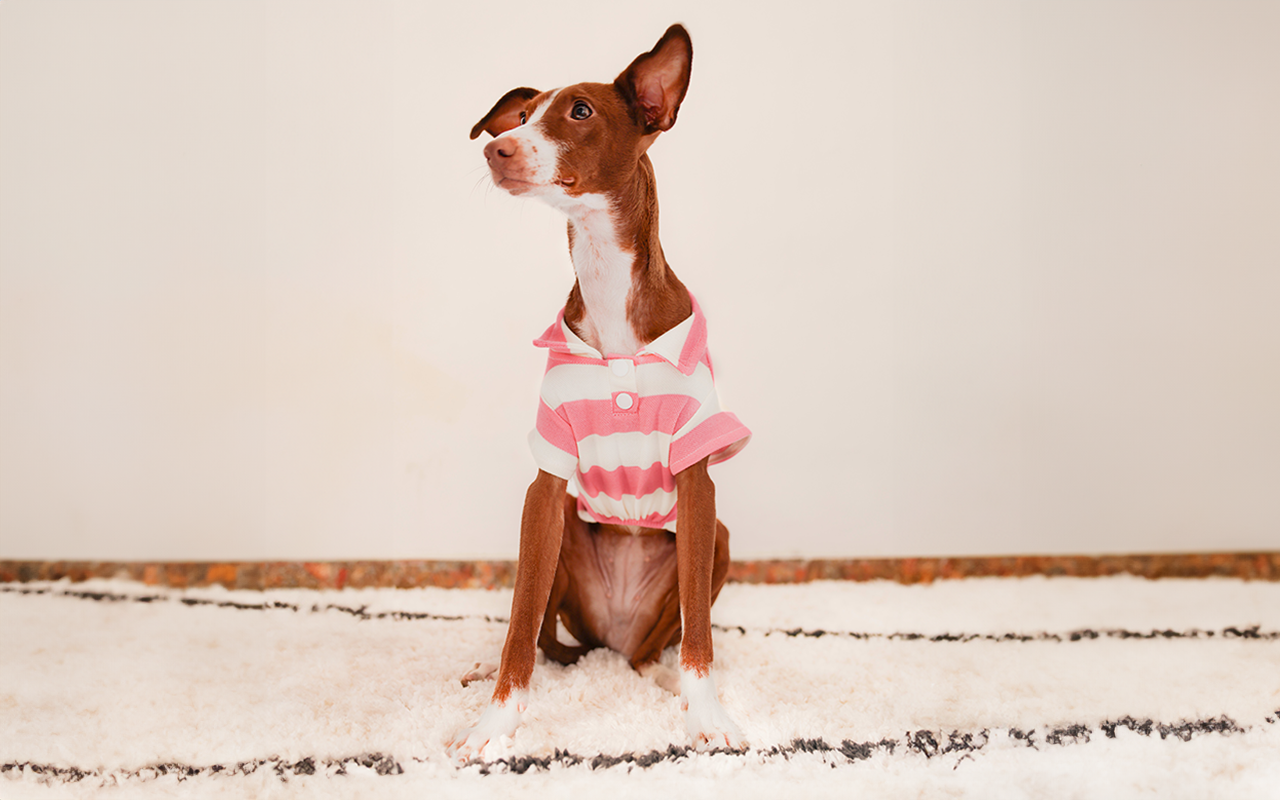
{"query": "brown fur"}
(541, 528)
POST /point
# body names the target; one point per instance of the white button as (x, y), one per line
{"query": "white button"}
(620, 366)
(624, 401)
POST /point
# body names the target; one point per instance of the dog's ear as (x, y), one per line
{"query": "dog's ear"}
(505, 114)
(656, 81)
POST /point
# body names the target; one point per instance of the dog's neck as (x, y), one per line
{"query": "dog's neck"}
(625, 295)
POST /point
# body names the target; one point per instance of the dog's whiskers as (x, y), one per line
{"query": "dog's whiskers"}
(486, 176)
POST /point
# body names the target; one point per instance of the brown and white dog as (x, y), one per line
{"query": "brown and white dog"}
(635, 589)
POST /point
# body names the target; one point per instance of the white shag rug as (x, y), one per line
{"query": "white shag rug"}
(990, 688)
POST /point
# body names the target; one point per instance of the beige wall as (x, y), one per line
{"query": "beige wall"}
(983, 277)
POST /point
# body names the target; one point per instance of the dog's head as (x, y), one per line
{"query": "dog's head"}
(571, 146)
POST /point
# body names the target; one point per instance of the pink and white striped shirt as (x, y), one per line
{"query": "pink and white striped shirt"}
(623, 426)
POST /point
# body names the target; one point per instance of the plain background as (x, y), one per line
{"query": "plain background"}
(983, 277)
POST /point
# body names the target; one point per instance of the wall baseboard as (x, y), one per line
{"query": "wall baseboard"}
(501, 574)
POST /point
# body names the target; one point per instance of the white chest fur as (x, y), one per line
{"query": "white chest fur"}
(603, 267)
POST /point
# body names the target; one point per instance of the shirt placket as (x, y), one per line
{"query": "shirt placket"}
(622, 386)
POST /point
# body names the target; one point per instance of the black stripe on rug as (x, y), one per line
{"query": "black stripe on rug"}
(362, 613)
(1080, 635)
(51, 773)
(927, 743)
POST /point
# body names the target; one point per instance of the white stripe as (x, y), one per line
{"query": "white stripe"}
(550, 458)
(662, 378)
(575, 382)
(567, 382)
(623, 450)
(541, 110)
(541, 156)
(709, 408)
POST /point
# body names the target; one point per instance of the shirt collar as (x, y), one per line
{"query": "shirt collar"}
(561, 339)
(682, 347)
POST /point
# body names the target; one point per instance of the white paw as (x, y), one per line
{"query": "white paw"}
(482, 671)
(665, 677)
(497, 721)
(708, 723)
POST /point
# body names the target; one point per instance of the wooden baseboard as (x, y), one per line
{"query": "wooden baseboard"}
(500, 574)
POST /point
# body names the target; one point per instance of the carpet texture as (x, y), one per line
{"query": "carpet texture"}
(1101, 687)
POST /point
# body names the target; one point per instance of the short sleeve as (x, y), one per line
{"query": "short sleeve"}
(555, 450)
(711, 431)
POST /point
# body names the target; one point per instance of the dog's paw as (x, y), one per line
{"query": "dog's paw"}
(709, 725)
(498, 720)
(665, 677)
(482, 671)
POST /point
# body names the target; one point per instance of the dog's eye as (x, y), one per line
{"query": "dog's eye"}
(580, 110)
(523, 117)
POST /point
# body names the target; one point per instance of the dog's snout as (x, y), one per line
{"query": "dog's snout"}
(500, 148)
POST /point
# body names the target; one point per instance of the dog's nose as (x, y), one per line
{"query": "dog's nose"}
(500, 148)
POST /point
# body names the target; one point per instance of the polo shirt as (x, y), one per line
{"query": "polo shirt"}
(622, 427)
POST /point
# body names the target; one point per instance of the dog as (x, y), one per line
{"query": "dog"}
(628, 408)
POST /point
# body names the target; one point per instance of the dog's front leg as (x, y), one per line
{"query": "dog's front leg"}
(708, 723)
(541, 530)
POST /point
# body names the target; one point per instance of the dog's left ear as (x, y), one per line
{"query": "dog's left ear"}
(656, 81)
(505, 114)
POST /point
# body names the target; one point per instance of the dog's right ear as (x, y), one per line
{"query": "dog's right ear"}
(505, 114)
(655, 83)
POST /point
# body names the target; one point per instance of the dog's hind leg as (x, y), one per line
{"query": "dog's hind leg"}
(482, 671)
(564, 604)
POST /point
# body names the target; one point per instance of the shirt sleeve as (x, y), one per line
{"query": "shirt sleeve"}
(711, 431)
(555, 449)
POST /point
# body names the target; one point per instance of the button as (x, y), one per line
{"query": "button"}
(620, 367)
(624, 401)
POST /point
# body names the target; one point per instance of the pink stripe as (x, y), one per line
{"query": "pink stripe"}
(553, 337)
(552, 427)
(712, 436)
(636, 481)
(695, 346)
(654, 413)
(687, 413)
(654, 520)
